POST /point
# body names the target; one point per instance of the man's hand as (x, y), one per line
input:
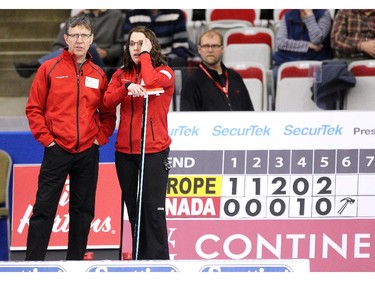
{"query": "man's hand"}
(368, 47)
(102, 53)
(51, 144)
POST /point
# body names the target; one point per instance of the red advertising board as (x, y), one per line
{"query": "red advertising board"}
(105, 228)
(330, 245)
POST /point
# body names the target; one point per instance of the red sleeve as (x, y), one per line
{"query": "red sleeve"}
(162, 76)
(107, 119)
(36, 108)
(115, 91)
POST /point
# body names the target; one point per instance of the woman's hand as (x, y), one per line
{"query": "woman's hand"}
(314, 47)
(306, 12)
(146, 46)
(136, 90)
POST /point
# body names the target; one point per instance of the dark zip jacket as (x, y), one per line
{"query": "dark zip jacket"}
(200, 93)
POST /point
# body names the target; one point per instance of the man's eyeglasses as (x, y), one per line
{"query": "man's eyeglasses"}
(213, 46)
(139, 43)
(76, 36)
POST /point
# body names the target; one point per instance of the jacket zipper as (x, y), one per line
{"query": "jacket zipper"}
(77, 104)
(228, 101)
(131, 120)
(152, 130)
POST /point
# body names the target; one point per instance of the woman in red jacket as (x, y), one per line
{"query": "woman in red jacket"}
(145, 67)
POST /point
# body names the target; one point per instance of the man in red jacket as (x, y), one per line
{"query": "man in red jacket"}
(66, 115)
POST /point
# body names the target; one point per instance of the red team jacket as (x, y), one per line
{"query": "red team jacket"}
(67, 107)
(130, 127)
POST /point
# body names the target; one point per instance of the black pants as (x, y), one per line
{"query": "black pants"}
(153, 235)
(82, 169)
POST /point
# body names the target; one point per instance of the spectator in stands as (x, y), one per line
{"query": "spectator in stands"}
(353, 34)
(67, 116)
(213, 86)
(106, 49)
(303, 35)
(169, 26)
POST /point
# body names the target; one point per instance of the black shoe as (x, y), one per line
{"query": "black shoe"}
(25, 70)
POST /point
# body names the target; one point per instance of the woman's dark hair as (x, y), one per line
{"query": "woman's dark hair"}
(80, 20)
(156, 55)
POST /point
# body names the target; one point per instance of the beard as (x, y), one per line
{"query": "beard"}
(212, 61)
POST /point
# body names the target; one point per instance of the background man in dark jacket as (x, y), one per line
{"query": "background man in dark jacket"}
(213, 86)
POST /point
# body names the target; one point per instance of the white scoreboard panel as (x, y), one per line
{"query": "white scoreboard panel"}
(280, 164)
(309, 183)
(273, 185)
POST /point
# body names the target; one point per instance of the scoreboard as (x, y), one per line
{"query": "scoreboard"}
(266, 185)
(246, 186)
(279, 183)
